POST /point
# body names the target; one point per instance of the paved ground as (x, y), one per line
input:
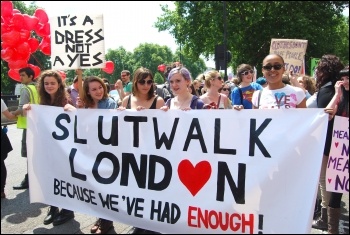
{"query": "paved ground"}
(18, 216)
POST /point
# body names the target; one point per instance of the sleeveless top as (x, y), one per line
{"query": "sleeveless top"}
(153, 105)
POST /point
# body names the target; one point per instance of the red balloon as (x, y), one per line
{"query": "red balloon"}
(5, 28)
(33, 44)
(14, 11)
(41, 15)
(12, 38)
(30, 22)
(14, 74)
(161, 67)
(36, 69)
(17, 64)
(63, 74)
(23, 51)
(24, 35)
(17, 21)
(45, 45)
(6, 8)
(109, 67)
(43, 30)
(7, 53)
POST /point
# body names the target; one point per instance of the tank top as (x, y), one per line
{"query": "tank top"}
(153, 105)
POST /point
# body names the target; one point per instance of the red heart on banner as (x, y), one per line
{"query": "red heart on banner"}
(329, 180)
(194, 178)
(336, 144)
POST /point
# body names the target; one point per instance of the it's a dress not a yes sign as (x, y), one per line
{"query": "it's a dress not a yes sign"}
(337, 174)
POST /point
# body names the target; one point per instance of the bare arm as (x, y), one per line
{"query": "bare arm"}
(8, 114)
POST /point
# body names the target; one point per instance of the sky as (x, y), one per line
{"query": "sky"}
(126, 24)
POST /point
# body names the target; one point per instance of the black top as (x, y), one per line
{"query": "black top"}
(324, 96)
(153, 105)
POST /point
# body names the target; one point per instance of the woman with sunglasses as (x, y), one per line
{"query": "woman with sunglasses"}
(242, 94)
(213, 98)
(277, 94)
(142, 97)
(226, 90)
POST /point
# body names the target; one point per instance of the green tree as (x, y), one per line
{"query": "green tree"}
(158, 78)
(151, 55)
(199, 26)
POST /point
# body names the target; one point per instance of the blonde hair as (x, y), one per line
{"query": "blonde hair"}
(210, 76)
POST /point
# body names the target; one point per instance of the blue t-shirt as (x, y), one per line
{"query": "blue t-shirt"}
(108, 103)
(247, 93)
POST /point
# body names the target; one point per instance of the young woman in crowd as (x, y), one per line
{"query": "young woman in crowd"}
(277, 94)
(226, 90)
(339, 105)
(142, 97)
(180, 79)
(243, 93)
(327, 73)
(95, 96)
(213, 98)
(52, 91)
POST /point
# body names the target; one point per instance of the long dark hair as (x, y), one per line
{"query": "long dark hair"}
(61, 97)
(327, 70)
(141, 74)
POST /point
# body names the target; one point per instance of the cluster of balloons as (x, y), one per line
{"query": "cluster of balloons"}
(17, 42)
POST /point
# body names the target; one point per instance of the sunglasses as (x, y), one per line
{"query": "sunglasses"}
(275, 67)
(247, 72)
(143, 82)
(225, 89)
(123, 75)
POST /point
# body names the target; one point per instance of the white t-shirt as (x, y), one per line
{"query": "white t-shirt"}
(284, 98)
(3, 106)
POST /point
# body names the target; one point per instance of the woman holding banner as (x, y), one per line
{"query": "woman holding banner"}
(142, 97)
(328, 69)
(277, 94)
(96, 96)
(180, 79)
(339, 106)
(52, 91)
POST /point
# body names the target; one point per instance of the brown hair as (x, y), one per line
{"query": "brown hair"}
(61, 97)
(89, 102)
(141, 74)
(241, 68)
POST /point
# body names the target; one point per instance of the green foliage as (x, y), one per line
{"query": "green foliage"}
(158, 78)
(199, 26)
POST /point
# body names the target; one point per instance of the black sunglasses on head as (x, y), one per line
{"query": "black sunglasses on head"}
(275, 67)
(143, 82)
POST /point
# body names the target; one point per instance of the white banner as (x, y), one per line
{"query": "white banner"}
(77, 41)
(199, 171)
(337, 173)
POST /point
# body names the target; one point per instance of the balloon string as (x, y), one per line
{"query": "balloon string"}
(40, 66)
